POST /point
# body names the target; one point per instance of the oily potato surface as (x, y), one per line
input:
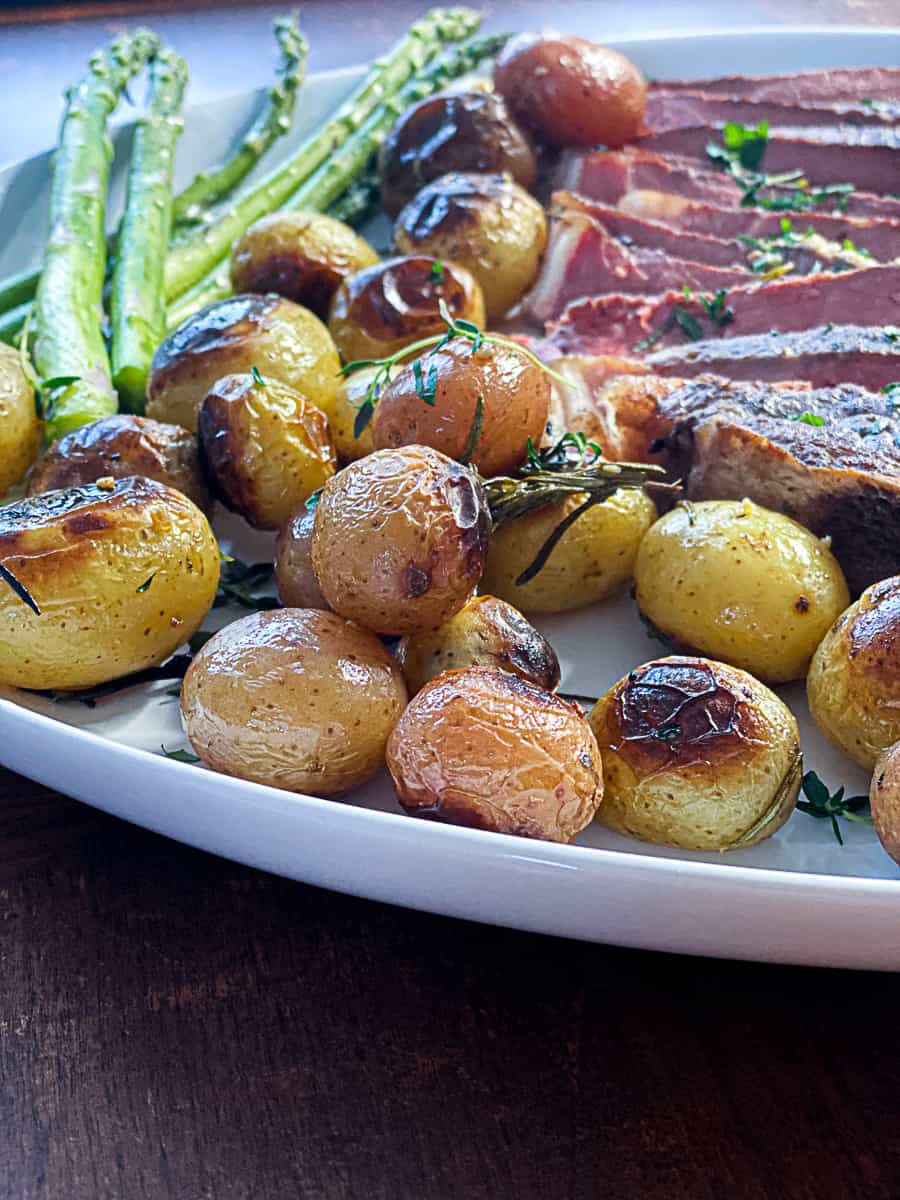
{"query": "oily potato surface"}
(19, 427)
(884, 800)
(295, 578)
(342, 409)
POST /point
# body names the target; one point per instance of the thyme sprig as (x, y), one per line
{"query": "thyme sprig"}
(825, 805)
(239, 583)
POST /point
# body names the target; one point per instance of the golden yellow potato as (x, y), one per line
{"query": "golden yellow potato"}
(399, 539)
(696, 754)
(19, 427)
(342, 409)
(853, 685)
(266, 448)
(884, 800)
(301, 255)
(284, 341)
(293, 698)
(294, 575)
(740, 583)
(594, 557)
(486, 632)
(122, 572)
(488, 749)
(485, 223)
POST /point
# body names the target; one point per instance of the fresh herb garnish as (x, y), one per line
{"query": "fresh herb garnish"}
(20, 589)
(437, 271)
(426, 385)
(716, 309)
(239, 582)
(570, 452)
(741, 156)
(824, 805)
(681, 318)
(748, 145)
(257, 378)
(139, 591)
(807, 418)
(182, 756)
(474, 432)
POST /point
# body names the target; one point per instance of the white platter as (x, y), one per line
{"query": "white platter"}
(799, 897)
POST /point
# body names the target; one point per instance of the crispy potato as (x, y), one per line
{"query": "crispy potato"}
(295, 699)
(740, 583)
(342, 410)
(19, 427)
(123, 572)
(283, 340)
(485, 223)
(697, 755)
(591, 561)
(853, 685)
(884, 800)
(301, 255)
(484, 748)
(294, 575)
(486, 632)
(119, 446)
(378, 311)
(265, 447)
(399, 539)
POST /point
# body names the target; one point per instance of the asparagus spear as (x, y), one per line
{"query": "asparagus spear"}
(11, 322)
(359, 200)
(67, 316)
(137, 305)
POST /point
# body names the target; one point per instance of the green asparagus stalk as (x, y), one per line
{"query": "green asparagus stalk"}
(137, 304)
(359, 201)
(18, 289)
(11, 323)
(67, 314)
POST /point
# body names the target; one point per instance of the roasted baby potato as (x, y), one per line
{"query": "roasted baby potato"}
(294, 575)
(853, 685)
(399, 539)
(342, 410)
(697, 755)
(571, 92)
(283, 340)
(301, 255)
(100, 581)
(485, 223)
(884, 800)
(456, 131)
(740, 583)
(482, 407)
(484, 748)
(295, 699)
(19, 428)
(266, 449)
(591, 561)
(120, 446)
(378, 311)
(486, 632)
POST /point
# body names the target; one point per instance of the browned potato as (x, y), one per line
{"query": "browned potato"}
(19, 427)
(571, 92)
(456, 131)
(283, 340)
(293, 698)
(485, 223)
(514, 395)
(294, 575)
(884, 799)
(301, 255)
(400, 538)
(120, 446)
(696, 754)
(378, 311)
(265, 447)
(341, 411)
(485, 748)
(486, 632)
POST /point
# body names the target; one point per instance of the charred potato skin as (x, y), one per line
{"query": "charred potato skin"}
(303, 256)
(696, 754)
(19, 426)
(284, 341)
(293, 698)
(265, 448)
(457, 131)
(119, 446)
(853, 685)
(123, 573)
(487, 749)
(884, 800)
(295, 578)
(400, 538)
(487, 632)
(485, 223)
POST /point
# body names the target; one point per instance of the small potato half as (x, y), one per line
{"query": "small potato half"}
(293, 698)
(19, 427)
(696, 754)
(884, 800)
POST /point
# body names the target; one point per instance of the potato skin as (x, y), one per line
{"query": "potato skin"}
(696, 754)
(399, 539)
(570, 91)
(303, 256)
(487, 749)
(485, 223)
(86, 555)
(294, 575)
(19, 426)
(271, 698)
(341, 410)
(283, 340)
(740, 583)
(378, 311)
(592, 560)
(266, 449)
(884, 800)
(119, 446)
(853, 685)
(486, 632)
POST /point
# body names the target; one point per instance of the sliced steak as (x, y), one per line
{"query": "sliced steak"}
(681, 108)
(801, 87)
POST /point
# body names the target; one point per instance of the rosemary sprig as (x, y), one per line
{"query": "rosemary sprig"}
(825, 805)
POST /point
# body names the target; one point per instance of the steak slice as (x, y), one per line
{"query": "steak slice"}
(800, 87)
(679, 108)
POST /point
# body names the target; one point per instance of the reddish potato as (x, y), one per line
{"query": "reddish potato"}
(294, 575)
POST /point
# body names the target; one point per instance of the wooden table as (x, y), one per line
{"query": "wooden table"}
(176, 1026)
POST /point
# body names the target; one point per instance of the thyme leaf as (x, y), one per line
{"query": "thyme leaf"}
(20, 589)
(823, 805)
